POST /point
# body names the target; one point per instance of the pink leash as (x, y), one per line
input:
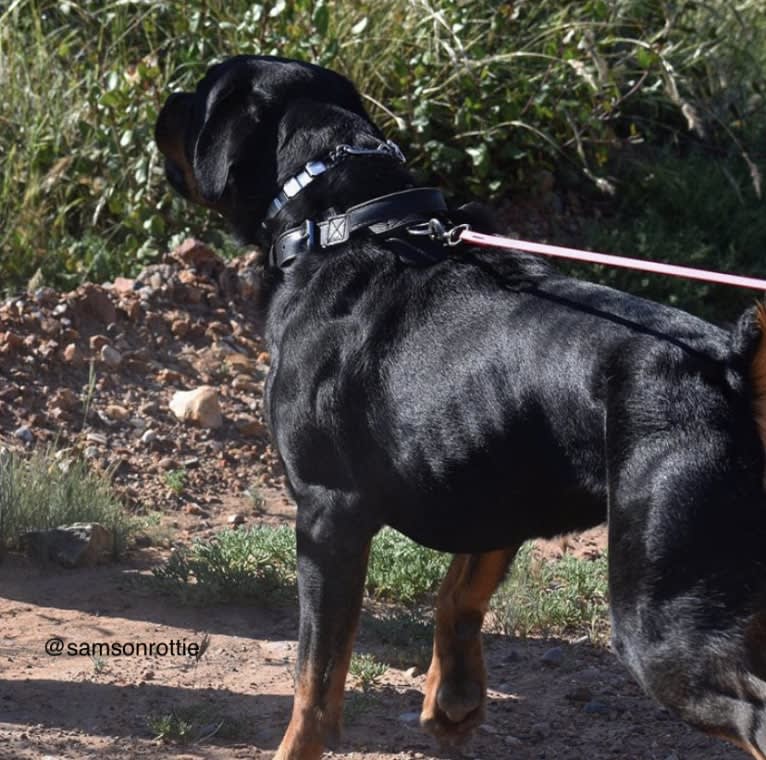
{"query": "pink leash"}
(496, 241)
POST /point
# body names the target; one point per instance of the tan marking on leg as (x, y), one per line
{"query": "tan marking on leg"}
(318, 705)
(746, 746)
(456, 683)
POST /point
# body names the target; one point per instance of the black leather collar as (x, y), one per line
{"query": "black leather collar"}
(382, 216)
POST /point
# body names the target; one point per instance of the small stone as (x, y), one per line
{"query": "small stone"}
(65, 398)
(249, 426)
(98, 438)
(111, 357)
(72, 355)
(410, 717)
(167, 463)
(123, 285)
(196, 509)
(199, 405)
(169, 376)
(180, 327)
(11, 340)
(91, 452)
(513, 741)
(193, 253)
(116, 412)
(540, 730)
(413, 671)
(24, 434)
(580, 694)
(553, 657)
(149, 437)
(97, 342)
(236, 519)
(596, 707)
(93, 301)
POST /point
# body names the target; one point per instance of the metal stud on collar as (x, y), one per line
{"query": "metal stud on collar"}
(315, 168)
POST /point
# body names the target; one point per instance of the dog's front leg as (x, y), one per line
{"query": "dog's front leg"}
(456, 684)
(332, 564)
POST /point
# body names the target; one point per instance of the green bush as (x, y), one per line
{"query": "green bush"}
(482, 95)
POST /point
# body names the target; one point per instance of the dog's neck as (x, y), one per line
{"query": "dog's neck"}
(347, 182)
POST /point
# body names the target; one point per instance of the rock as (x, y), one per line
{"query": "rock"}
(553, 657)
(65, 398)
(149, 437)
(24, 434)
(116, 412)
(410, 717)
(180, 327)
(97, 342)
(513, 741)
(236, 519)
(596, 707)
(76, 545)
(200, 406)
(579, 694)
(193, 253)
(123, 285)
(72, 355)
(169, 376)
(412, 672)
(93, 301)
(11, 340)
(540, 730)
(111, 357)
(98, 438)
(91, 452)
(249, 426)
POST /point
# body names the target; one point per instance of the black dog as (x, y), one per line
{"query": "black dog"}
(473, 400)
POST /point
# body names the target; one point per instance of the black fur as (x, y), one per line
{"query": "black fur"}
(488, 399)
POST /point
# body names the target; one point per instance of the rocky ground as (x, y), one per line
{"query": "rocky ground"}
(96, 371)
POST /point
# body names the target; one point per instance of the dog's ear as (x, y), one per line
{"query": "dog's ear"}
(231, 118)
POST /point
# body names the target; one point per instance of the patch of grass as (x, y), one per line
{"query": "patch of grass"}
(175, 480)
(256, 498)
(367, 670)
(260, 562)
(193, 724)
(402, 571)
(562, 597)
(233, 565)
(41, 491)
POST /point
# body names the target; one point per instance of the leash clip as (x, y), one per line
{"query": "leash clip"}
(436, 230)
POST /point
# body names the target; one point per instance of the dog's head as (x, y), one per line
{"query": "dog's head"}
(252, 122)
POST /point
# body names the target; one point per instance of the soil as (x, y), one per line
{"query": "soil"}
(188, 322)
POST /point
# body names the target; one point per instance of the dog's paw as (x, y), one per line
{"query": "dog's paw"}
(454, 711)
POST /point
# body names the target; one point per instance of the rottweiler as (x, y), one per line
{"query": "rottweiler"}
(474, 399)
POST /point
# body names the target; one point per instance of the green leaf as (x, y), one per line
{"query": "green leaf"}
(321, 18)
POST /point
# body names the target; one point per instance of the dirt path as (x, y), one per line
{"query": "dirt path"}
(82, 707)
